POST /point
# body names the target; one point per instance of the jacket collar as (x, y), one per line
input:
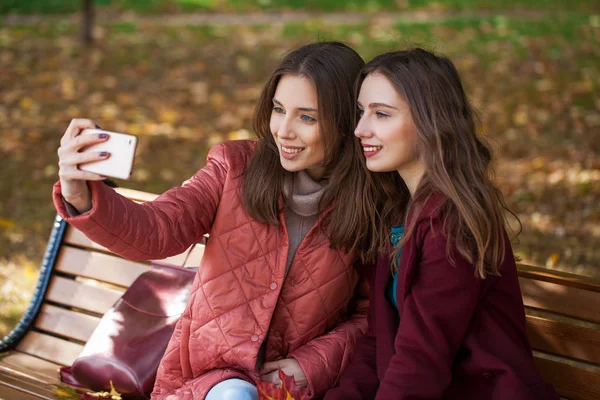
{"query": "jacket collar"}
(431, 208)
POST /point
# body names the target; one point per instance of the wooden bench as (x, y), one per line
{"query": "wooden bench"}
(80, 280)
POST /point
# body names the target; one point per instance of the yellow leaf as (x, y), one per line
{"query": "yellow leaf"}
(552, 260)
(168, 116)
(520, 118)
(67, 87)
(113, 392)
(217, 100)
(6, 223)
(26, 103)
(109, 111)
(544, 85)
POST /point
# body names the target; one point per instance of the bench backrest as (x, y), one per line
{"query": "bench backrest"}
(85, 280)
(563, 310)
(563, 325)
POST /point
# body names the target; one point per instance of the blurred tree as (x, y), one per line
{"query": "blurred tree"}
(88, 21)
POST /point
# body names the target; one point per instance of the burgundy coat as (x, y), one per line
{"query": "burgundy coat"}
(454, 336)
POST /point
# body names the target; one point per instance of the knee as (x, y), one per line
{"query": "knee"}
(240, 393)
(233, 389)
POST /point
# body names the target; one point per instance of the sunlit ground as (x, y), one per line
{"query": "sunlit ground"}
(183, 88)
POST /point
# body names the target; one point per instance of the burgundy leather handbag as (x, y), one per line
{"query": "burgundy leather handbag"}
(127, 345)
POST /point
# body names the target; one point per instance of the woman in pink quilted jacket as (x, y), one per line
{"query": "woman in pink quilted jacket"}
(288, 216)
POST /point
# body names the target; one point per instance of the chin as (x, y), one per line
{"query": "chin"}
(374, 167)
(290, 167)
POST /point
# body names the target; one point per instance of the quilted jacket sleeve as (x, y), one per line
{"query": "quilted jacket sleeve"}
(158, 229)
(434, 319)
(325, 358)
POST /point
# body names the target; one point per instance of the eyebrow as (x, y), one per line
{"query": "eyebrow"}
(300, 108)
(375, 105)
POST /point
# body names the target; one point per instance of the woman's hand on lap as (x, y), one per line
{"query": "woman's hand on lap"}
(289, 366)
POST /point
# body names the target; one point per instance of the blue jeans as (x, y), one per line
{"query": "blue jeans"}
(232, 389)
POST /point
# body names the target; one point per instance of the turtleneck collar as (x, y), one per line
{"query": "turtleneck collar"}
(302, 193)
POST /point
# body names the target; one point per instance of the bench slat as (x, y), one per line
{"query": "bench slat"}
(136, 195)
(79, 295)
(50, 348)
(196, 253)
(564, 339)
(77, 238)
(14, 388)
(67, 323)
(99, 266)
(571, 382)
(559, 277)
(17, 363)
(569, 301)
(179, 259)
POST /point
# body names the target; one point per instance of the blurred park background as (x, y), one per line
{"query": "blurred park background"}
(184, 74)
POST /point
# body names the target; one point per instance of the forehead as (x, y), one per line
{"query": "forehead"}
(296, 91)
(377, 88)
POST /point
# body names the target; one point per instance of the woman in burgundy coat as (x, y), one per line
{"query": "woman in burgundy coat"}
(446, 316)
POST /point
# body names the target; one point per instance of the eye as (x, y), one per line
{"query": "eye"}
(278, 110)
(381, 115)
(361, 113)
(307, 118)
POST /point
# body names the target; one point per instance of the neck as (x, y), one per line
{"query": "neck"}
(303, 194)
(411, 175)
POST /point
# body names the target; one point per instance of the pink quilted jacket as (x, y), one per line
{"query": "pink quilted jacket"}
(240, 298)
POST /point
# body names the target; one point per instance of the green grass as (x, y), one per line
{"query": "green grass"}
(472, 33)
(170, 6)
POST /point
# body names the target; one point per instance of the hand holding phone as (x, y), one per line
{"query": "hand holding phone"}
(121, 153)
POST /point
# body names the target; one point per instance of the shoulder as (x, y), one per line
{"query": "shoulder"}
(233, 155)
(429, 232)
(431, 211)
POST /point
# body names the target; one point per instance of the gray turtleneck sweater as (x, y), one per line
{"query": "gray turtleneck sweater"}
(301, 213)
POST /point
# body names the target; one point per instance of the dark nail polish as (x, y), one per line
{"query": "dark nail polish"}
(103, 154)
(103, 135)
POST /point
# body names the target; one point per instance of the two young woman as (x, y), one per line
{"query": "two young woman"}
(289, 215)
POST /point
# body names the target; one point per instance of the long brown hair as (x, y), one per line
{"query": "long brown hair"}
(457, 158)
(332, 67)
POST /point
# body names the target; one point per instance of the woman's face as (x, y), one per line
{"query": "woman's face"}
(386, 130)
(295, 127)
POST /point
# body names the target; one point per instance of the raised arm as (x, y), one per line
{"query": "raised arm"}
(157, 229)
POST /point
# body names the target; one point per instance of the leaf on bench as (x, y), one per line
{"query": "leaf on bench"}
(64, 392)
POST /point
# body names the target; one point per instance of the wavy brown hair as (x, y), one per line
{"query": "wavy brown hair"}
(350, 224)
(457, 158)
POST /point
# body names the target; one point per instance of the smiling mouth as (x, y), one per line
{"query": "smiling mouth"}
(292, 150)
(370, 149)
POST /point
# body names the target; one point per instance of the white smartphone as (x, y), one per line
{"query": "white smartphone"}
(122, 153)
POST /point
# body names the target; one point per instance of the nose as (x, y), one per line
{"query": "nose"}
(284, 130)
(362, 129)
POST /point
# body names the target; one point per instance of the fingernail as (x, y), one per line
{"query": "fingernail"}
(103, 135)
(103, 153)
(103, 177)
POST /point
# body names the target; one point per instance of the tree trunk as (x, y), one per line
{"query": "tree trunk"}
(88, 21)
